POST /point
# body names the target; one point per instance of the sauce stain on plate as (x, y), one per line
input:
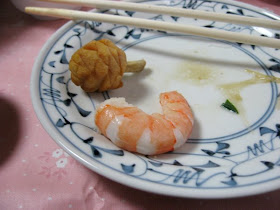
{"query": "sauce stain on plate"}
(200, 74)
(197, 73)
(232, 90)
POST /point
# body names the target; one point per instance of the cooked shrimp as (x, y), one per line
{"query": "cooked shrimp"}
(132, 129)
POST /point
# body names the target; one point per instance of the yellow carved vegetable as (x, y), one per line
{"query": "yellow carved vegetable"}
(100, 65)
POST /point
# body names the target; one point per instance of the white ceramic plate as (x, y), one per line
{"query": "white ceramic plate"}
(228, 154)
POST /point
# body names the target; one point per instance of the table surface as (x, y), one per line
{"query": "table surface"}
(30, 176)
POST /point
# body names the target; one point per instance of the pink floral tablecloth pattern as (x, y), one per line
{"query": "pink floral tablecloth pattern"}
(34, 172)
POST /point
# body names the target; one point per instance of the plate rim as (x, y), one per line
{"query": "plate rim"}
(131, 181)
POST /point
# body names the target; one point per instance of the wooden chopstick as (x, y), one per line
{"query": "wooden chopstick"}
(157, 25)
(179, 12)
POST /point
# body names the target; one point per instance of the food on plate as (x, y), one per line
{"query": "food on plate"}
(100, 65)
(132, 129)
(229, 106)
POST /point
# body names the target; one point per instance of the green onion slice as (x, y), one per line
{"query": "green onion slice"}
(228, 105)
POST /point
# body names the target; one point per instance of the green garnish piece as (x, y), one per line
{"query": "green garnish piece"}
(228, 105)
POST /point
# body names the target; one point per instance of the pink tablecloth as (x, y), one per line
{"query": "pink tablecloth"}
(34, 172)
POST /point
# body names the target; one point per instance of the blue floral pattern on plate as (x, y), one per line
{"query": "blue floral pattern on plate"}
(228, 165)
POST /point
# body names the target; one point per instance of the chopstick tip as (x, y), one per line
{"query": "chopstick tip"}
(33, 10)
(27, 9)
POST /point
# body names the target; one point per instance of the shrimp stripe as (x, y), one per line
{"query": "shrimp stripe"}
(112, 131)
(144, 145)
(180, 139)
(131, 130)
(162, 135)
